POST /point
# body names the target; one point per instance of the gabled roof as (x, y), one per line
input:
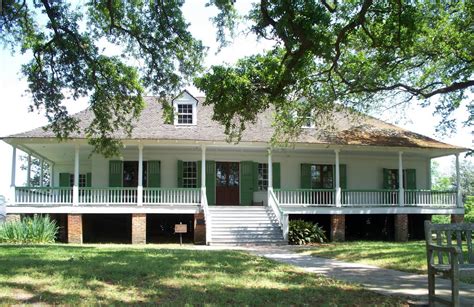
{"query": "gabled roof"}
(184, 93)
(365, 130)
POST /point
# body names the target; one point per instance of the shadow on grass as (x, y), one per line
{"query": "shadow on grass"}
(118, 275)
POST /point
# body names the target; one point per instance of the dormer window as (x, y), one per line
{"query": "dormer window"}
(308, 121)
(185, 110)
(185, 114)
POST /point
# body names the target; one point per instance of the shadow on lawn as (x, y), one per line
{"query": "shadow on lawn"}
(118, 275)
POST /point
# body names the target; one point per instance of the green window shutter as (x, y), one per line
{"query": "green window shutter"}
(115, 173)
(386, 183)
(88, 180)
(246, 182)
(255, 175)
(410, 179)
(154, 174)
(64, 180)
(343, 176)
(305, 182)
(198, 174)
(180, 174)
(211, 182)
(276, 175)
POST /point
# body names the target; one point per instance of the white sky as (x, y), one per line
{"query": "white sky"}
(15, 118)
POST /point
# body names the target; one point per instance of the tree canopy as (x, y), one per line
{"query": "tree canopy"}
(356, 54)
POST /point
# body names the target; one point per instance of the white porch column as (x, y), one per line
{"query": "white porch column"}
(41, 172)
(203, 166)
(459, 203)
(428, 171)
(28, 172)
(75, 187)
(13, 177)
(140, 176)
(270, 170)
(401, 192)
(338, 180)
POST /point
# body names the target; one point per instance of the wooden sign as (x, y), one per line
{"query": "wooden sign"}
(180, 228)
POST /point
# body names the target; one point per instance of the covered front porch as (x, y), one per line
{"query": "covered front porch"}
(155, 174)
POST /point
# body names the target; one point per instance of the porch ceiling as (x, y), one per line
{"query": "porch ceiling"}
(64, 152)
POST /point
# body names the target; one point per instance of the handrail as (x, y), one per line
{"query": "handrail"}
(274, 205)
(207, 215)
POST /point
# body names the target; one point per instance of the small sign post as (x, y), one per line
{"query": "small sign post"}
(180, 228)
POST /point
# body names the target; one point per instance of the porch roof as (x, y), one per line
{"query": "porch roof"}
(347, 130)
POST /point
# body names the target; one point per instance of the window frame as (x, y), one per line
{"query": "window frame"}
(186, 178)
(308, 119)
(181, 102)
(323, 176)
(262, 178)
(82, 180)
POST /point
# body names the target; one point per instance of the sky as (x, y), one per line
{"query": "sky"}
(14, 100)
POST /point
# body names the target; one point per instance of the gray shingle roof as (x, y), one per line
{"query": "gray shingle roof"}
(364, 130)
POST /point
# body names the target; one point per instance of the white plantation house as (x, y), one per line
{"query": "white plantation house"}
(363, 174)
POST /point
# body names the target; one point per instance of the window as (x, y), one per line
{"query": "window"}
(190, 174)
(262, 176)
(308, 121)
(391, 180)
(185, 114)
(322, 176)
(82, 180)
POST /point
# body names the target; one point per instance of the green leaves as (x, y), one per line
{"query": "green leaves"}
(157, 54)
(301, 232)
(359, 55)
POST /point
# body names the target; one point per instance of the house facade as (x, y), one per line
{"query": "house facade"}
(364, 172)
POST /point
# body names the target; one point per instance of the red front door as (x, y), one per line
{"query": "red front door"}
(227, 183)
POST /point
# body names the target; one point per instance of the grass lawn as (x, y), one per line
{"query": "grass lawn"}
(407, 256)
(121, 274)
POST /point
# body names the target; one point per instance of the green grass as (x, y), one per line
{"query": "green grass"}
(118, 274)
(407, 256)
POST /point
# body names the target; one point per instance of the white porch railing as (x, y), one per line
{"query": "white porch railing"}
(107, 196)
(47, 196)
(171, 196)
(305, 197)
(43, 196)
(365, 198)
(430, 198)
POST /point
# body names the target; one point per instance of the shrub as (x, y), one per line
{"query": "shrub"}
(39, 229)
(441, 219)
(302, 232)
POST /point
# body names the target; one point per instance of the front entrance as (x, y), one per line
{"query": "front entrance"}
(227, 183)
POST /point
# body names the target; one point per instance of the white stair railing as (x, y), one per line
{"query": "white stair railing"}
(281, 217)
(207, 215)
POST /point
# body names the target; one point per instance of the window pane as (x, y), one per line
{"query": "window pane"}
(185, 114)
(322, 176)
(190, 174)
(234, 174)
(262, 176)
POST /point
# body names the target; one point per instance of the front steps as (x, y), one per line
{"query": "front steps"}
(244, 225)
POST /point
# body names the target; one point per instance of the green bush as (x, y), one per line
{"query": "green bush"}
(441, 219)
(301, 232)
(469, 207)
(39, 229)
